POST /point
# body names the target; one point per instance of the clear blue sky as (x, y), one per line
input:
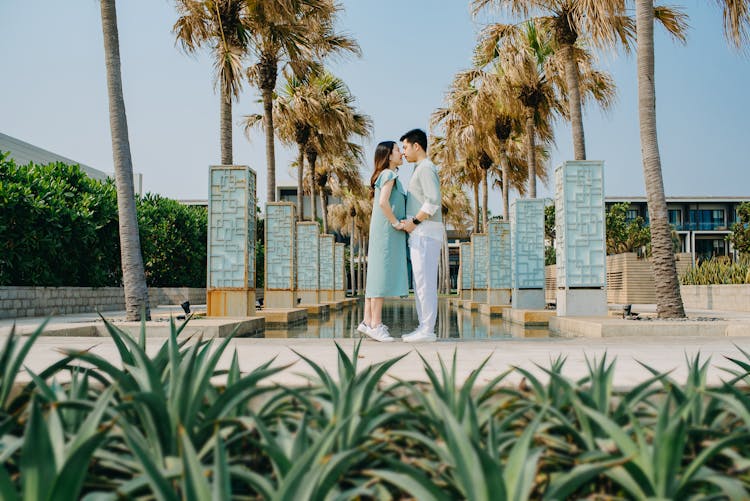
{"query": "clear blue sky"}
(53, 93)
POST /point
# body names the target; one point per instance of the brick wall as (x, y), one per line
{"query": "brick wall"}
(17, 302)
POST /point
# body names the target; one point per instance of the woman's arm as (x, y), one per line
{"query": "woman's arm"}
(384, 203)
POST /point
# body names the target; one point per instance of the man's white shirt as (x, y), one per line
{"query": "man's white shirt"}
(427, 228)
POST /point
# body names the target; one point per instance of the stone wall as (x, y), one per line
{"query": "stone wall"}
(716, 297)
(17, 302)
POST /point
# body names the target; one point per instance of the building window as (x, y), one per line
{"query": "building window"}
(675, 217)
(706, 219)
(708, 248)
(631, 214)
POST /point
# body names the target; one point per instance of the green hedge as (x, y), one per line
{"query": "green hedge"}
(58, 227)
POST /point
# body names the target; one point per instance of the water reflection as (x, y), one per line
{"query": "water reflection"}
(401, 317)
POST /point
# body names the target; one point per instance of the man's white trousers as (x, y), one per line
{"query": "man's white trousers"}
(425, 256)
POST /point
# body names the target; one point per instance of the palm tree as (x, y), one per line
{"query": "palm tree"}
(297, 32)
(346, 218)
(524, 54)
(669, 300)
(335, 172)
(295, 110)
(736, 23)
(601, 23)
(133, 274)
(460, 151)
(223, 26)
(336, 122)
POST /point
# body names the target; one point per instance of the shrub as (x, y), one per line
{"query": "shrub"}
(173, 242)
(718, 271)
(740, 236)
(58, 227)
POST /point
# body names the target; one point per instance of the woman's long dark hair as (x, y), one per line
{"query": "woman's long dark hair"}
(382, 162)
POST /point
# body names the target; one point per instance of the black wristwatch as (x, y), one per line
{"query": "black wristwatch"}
(415, 220)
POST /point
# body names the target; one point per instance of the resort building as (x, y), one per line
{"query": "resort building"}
(23, 153)
(288, 193)
(702, 223)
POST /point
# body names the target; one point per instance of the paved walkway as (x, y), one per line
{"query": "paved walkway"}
(661, 353)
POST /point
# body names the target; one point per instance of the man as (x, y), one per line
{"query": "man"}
(424, 223)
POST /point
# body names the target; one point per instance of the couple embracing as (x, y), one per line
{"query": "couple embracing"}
(397, 213)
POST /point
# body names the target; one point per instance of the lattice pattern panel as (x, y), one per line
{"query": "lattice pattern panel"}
(498, 241)
(480, 261)
(466, 266)
(326, 262)
(231, 233)
(339, 263)
(307, 256)
(579, 224)
(279, 246)
(527, 243)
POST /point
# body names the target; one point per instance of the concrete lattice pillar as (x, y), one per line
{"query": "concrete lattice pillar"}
(231, 241)
(500, 272)
(581, 252)
(527, 250)
(326, 272)
(479, 268)
(280, 256)
(308, 263)
(466, 269)
(339, 272)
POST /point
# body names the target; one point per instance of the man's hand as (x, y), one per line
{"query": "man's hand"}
(408, 225)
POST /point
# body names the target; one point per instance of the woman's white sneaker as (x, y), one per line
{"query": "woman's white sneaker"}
(364, 328)
(380, 333)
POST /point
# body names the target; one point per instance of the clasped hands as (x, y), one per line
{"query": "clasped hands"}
(406, 225)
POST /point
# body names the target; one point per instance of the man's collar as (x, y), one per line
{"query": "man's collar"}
(418, 163)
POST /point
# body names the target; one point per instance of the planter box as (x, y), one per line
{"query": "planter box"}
(630, 280)
(716, 297)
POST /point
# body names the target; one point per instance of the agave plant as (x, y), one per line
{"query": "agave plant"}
(51, 460)
(659, 465)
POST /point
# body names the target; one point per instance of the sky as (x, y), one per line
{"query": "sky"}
(53, 94)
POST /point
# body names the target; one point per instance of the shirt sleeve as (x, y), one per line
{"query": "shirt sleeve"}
(431, 189)
(384, 177)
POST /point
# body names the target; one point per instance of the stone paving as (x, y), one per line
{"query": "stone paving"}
(661, 353)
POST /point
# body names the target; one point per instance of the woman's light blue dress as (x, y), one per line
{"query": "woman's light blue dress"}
(386, 255)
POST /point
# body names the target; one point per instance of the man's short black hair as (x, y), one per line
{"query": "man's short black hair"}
(417, 136)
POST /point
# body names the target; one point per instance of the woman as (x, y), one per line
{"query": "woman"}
(386, 270)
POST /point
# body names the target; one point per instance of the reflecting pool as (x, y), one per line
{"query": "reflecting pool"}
(400, 316)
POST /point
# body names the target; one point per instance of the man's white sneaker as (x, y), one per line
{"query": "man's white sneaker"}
(380, 333)
(363, 328)
(413, 333)
(420, 337)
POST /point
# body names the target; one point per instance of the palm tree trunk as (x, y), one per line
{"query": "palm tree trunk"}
(506, 184)
(531, 151)
(351, 259)
(446, 264)
(324, 208)
(476, 208)
(574, 101)
(225, 126)
(133, 274)
(669, 301)
(311, 160)
(270, 153)
(363, 264)
(300, 194)
(360, 263)
(485, 201)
